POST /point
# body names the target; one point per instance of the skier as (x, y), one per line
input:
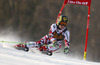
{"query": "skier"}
(52, 42)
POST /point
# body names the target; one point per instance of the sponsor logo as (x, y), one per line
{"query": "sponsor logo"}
(78, 2)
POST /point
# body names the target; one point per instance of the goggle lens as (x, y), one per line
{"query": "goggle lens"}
(63, 23)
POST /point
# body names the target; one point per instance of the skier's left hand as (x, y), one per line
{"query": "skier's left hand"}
(66, 50)
(55, 44)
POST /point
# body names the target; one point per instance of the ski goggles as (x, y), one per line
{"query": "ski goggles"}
(63, 23)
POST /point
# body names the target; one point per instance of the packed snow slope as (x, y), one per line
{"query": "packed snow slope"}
(11, 56)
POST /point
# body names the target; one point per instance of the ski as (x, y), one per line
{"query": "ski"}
(22, 48)
(49, 53)
(42, 49)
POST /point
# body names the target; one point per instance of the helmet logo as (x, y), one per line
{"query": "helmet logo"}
(64, 18)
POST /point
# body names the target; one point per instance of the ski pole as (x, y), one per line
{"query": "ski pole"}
(21, 43)
(13, 42)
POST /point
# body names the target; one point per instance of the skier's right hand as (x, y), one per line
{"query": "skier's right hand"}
(66, 50)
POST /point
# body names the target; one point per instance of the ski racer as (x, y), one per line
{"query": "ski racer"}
(52, 42)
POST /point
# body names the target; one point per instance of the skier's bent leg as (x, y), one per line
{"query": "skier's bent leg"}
(31, 44)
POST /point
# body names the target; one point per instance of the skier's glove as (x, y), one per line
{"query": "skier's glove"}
(55, 44)
(66, 50)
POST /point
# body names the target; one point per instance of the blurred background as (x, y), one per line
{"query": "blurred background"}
(31, 19)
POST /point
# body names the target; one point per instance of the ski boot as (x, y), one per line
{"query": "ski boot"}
(22, 47)
(44, 50)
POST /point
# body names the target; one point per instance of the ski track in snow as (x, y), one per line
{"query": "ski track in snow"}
(11, 56)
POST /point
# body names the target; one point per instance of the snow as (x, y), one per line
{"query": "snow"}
(11, 56)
